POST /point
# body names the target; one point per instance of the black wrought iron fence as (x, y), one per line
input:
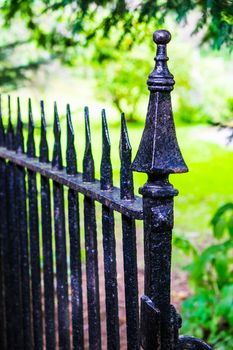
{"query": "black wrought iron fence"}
(30, 317)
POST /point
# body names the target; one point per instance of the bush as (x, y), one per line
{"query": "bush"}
(208, 314)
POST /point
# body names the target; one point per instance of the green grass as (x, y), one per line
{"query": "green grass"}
(207, 185)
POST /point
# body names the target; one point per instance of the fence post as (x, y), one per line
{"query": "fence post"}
(158, 156)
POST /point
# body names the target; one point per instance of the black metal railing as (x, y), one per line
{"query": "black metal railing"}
(36, 311)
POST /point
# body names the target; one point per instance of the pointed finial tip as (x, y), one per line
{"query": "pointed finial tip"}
(103, 114)
(123, 121)
(162, 37)
(68, 113)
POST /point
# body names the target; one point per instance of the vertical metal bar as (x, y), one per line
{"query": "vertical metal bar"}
(75, 250)
(129, 243)
(3, 240)
(49, 306)
(25, 324)
(25, 279)
(158, 156)
(109, 245)
(34, 240)
(61, 255)
(10, 281)
(91, 247)
(131, 282)
(13, 300)
(9, 273)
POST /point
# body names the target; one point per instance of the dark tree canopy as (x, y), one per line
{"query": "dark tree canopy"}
(56, 25)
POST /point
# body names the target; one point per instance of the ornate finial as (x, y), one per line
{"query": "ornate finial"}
(159, 151)
(161, 79)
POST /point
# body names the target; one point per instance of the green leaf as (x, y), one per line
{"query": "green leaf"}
(184, 245)
(222, 269)
(230, 226)
(224, 306)
(224, 209)
(220, 227)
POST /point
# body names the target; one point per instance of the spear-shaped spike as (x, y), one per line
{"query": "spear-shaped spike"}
(106, 166)
(2, 131)
(44, 150)
(126, 175)
(19, 130)
(57, 154)
(10, 129)
(71, 159)
(88, 161)
(31, 150)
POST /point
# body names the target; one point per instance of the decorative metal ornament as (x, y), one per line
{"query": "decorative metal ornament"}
(158, 156)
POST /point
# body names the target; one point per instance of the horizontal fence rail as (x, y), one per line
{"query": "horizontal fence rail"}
(111, 199)
(50, 257)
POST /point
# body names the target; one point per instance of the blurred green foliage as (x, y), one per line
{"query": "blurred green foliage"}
(13, 73)
(111, 41)
(73, 23)
(19, 57)
(208, 314)
(200, 95)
